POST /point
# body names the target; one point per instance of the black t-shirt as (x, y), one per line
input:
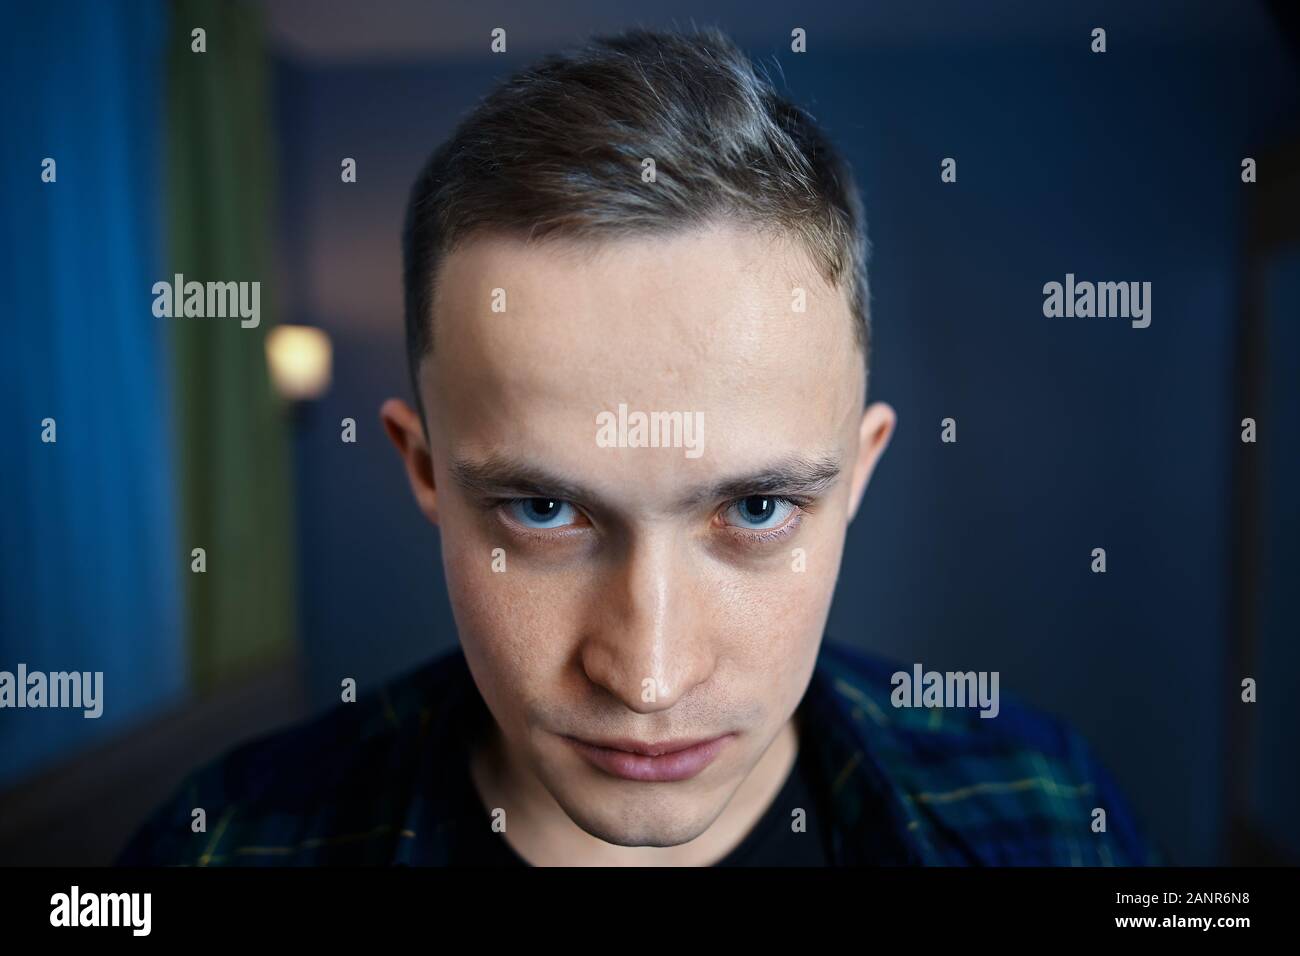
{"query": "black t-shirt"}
(773, 840)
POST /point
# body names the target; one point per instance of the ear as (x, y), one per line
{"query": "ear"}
(878, 423)
(406, 432)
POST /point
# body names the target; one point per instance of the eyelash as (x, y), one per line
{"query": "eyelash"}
(800, 507)
(502, 505)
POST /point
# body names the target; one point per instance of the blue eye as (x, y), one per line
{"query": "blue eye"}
(760, 512)
(542, 512)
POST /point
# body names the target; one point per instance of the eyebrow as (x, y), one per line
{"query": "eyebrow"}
(501, 475)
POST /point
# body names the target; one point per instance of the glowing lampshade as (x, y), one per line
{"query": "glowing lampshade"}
(299, 357)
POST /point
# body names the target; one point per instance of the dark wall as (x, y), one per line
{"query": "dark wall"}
(373, 598)
(1072, 433)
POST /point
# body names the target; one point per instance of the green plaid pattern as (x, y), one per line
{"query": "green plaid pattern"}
(367, 783)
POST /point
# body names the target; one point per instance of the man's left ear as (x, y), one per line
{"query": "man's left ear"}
(878, 422)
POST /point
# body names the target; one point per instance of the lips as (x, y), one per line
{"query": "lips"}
(662, 762)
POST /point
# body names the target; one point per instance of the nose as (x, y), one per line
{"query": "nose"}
(647, 642)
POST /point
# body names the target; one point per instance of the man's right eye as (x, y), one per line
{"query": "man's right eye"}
(542, 513)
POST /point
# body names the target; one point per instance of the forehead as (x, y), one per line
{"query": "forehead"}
(699, 321)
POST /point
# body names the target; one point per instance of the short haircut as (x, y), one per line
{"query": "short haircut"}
(557, 150)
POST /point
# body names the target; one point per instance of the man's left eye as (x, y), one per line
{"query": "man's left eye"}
(758, 512)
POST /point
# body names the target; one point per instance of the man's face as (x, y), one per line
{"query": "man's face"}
(608, 592)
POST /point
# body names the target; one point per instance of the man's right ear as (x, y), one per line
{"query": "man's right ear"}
(407, 434)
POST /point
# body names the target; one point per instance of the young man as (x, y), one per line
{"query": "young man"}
(636, 312)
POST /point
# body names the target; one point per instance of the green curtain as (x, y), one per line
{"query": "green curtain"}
(236, 500)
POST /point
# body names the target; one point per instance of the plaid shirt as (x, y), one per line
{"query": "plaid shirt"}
(367, 783)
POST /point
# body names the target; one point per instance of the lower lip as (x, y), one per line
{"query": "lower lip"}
(665, 768)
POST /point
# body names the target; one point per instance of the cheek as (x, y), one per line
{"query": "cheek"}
(774, 618)
(514, 626)
(775, 614)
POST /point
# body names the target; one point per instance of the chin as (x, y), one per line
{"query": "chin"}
(647, 821)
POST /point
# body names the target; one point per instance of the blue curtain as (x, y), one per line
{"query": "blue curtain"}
(90, 560)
